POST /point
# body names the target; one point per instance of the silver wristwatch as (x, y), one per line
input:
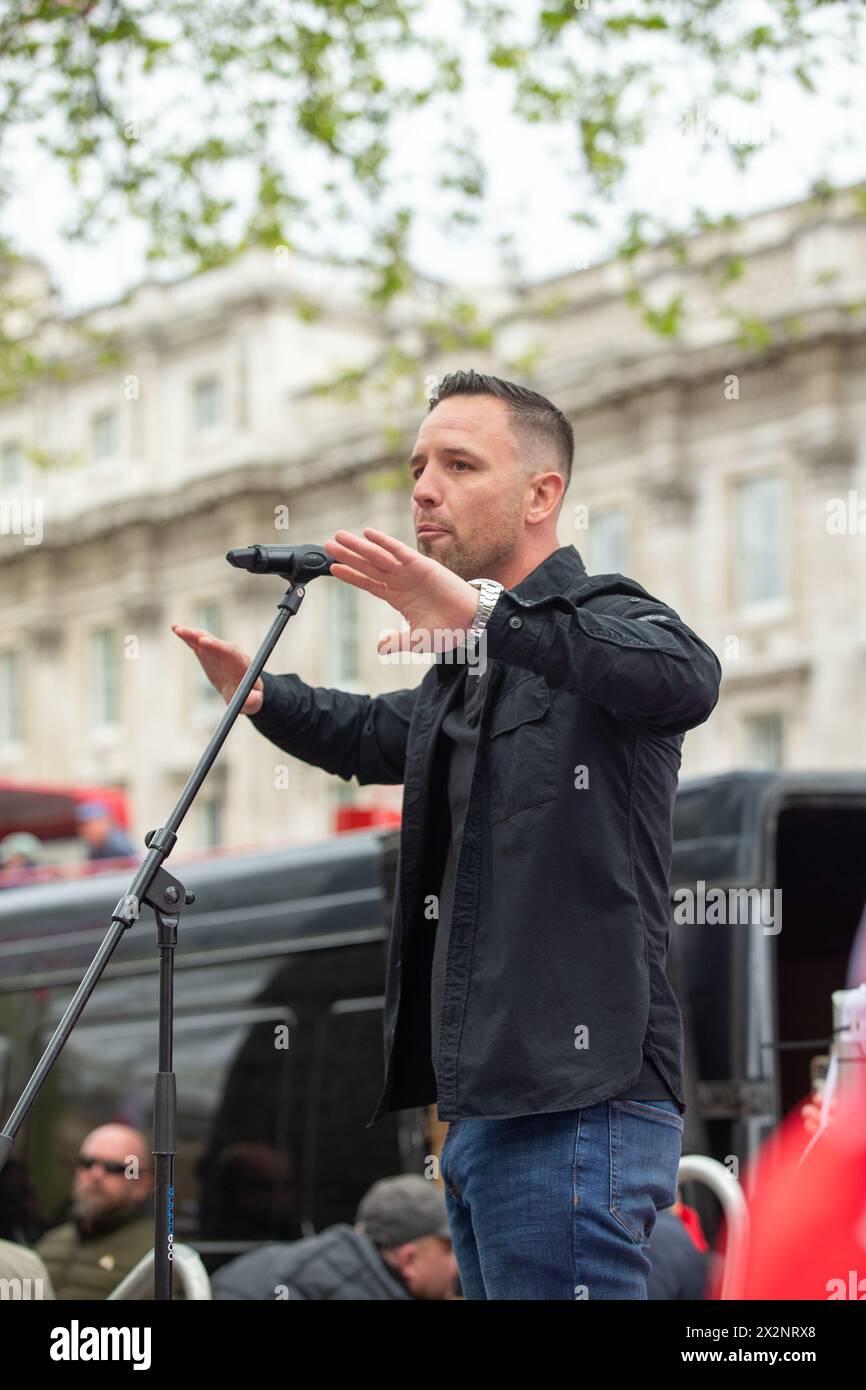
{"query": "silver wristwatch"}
(489, 591)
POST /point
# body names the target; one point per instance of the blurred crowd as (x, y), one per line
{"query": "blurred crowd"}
(397, 1248)
(25, 859)
(399, 1245)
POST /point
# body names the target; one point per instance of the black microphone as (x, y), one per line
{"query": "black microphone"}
(297, 563)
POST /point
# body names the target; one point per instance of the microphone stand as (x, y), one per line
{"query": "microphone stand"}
(167, 896)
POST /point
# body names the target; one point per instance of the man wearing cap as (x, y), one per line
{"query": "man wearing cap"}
(21, 853)
(104, 839)
(399, 1248)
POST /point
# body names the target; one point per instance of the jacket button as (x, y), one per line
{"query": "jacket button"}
(515, 622)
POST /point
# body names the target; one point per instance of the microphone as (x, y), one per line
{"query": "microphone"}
(297, 563)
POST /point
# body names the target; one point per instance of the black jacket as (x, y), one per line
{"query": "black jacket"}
(555, 983)
(337, 1264)
(679, 1269)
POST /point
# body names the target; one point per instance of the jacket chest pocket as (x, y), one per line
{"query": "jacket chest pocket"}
(521, 749)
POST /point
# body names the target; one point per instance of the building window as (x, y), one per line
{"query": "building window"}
(105, 436)
(764, 740)
(210, 823)
(207, 615)
(11, 704)
(345, 658)
(608, 541)
(11, 467)
(207, 404)
(759, 537)
(106, 678)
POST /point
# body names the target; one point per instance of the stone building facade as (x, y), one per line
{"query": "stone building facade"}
(723, 468)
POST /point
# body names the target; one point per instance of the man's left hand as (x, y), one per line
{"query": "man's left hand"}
(431, 599)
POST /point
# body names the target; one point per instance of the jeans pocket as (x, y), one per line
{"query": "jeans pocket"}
(645, 1151)
(667, 1108)
(452, 1126)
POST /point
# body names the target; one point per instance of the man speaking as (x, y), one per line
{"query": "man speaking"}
(526, 991)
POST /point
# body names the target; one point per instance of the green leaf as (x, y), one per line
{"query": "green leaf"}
(803, 78)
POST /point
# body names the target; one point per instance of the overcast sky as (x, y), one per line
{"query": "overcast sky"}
(533, 183)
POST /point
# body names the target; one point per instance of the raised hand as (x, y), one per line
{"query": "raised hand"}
(430, 597)
(223, 663)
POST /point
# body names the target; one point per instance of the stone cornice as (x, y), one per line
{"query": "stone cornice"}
(759, 672)
(580, 387)
(200, 495)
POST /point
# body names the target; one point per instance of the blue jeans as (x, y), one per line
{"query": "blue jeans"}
(560, 1206)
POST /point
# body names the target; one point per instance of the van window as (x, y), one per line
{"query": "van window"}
(345, 1083)
(236, 1167)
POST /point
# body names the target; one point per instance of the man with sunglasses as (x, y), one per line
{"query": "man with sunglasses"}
(111, 1224)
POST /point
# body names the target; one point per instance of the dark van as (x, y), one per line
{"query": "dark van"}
(278, 992)
(278, 1038)
(756, 989)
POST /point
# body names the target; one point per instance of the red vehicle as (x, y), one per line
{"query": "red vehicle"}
(48, 811)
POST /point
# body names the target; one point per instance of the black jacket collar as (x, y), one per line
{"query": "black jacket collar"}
(555, 573)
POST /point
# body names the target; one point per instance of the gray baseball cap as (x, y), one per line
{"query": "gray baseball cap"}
(22, 842)
(396, 1210)
(92, 810)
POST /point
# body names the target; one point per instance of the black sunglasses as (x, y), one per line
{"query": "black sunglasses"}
(86, 1161)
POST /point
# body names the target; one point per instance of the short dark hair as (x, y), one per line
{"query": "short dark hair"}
(533, 415)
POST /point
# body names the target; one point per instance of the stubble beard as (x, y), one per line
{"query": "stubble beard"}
(481, 559)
